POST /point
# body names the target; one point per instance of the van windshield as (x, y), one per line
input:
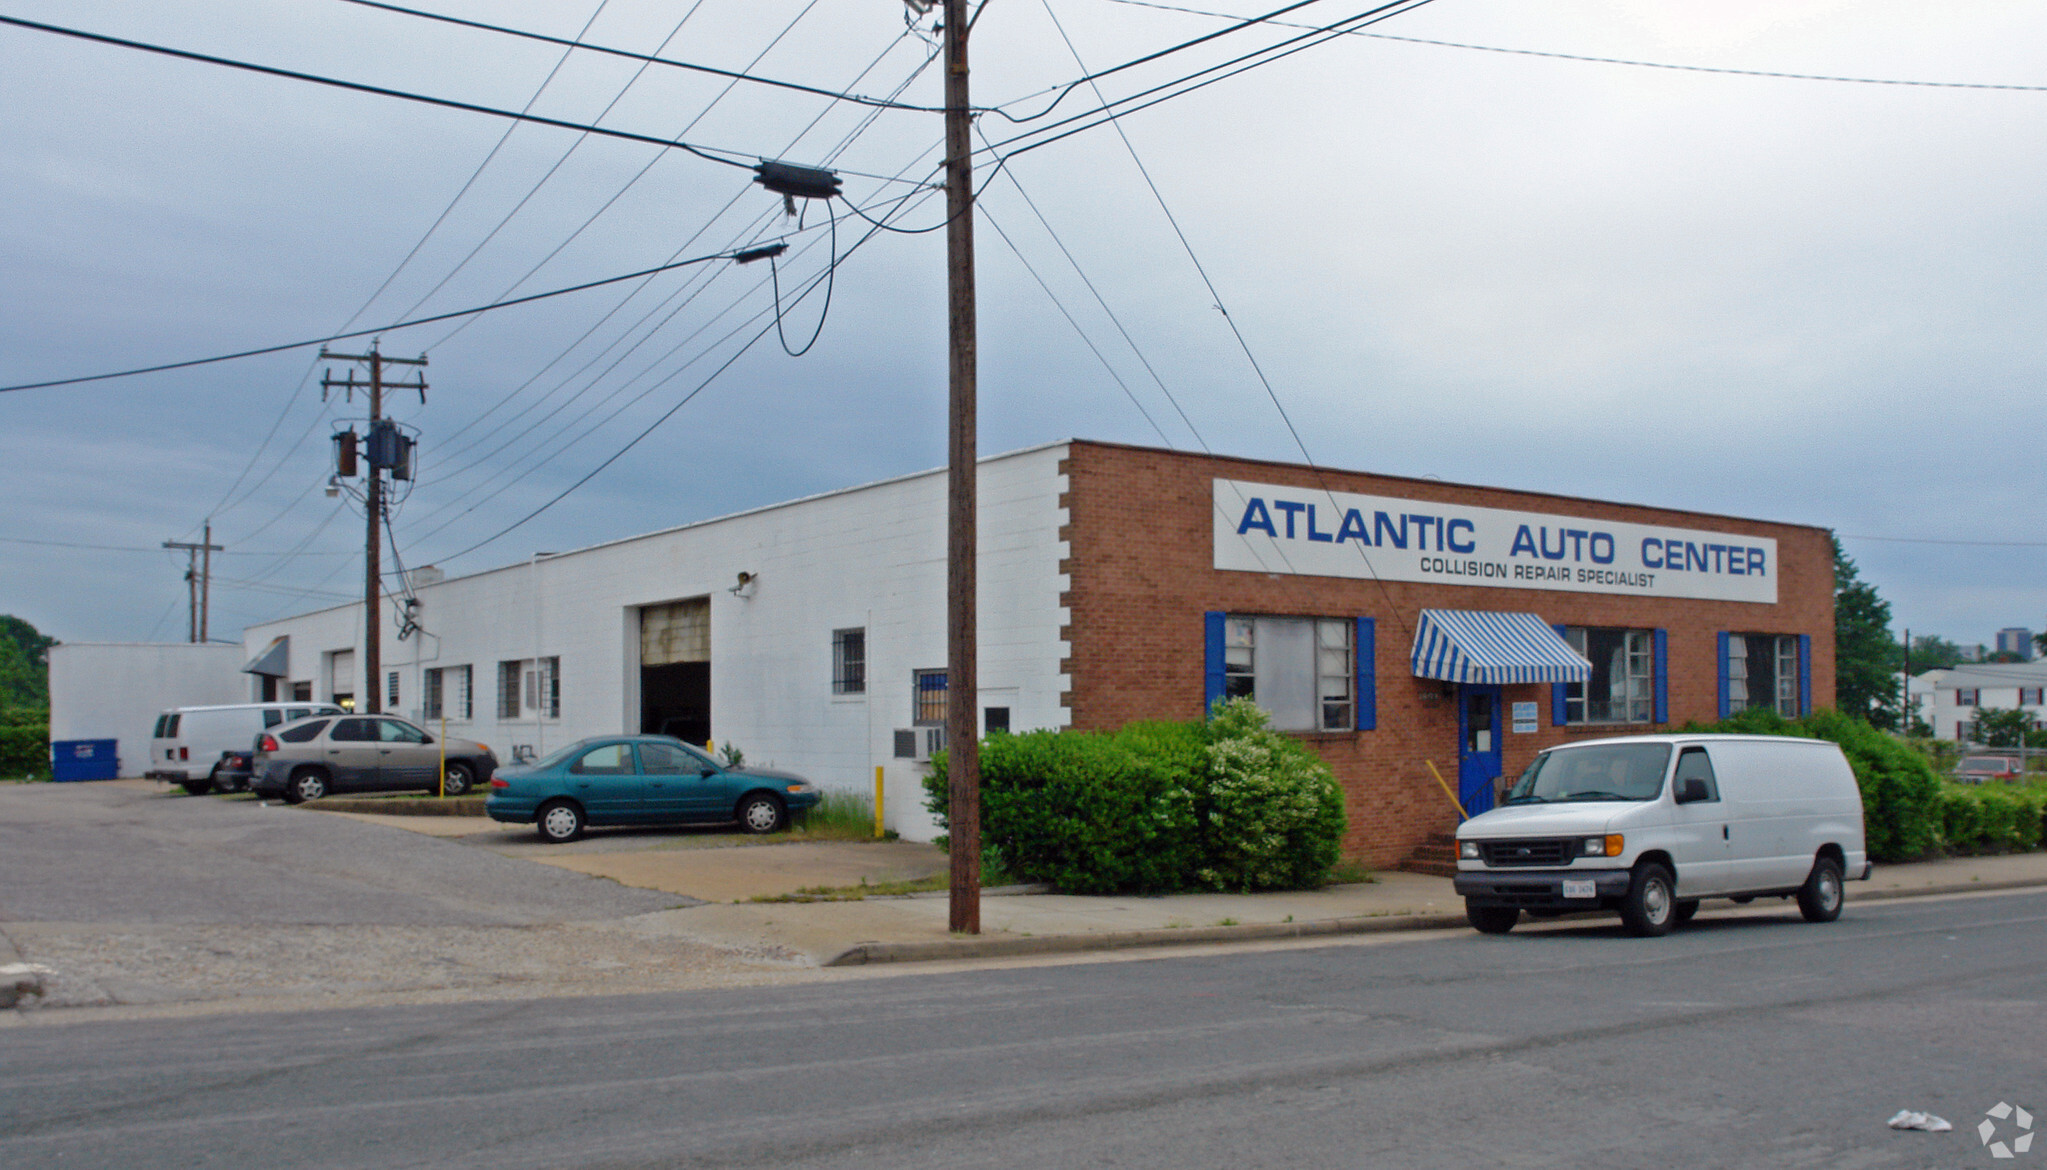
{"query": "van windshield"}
(1612, 771)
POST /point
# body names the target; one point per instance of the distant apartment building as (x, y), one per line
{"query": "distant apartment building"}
(1949, 699)
(2016, 640)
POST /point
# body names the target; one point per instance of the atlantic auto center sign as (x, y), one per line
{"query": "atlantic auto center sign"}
(1266, 528)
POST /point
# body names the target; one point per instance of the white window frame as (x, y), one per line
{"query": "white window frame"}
(1328, 669)
(1634, 694)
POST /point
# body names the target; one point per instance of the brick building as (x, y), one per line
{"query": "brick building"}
(1172, 554)
(1119, 583)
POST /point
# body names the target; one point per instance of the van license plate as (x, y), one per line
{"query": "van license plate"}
(1580, 888)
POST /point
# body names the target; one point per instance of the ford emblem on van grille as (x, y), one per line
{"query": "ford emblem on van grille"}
(1539, 851)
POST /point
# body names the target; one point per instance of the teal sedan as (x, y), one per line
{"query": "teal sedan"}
(642, 780)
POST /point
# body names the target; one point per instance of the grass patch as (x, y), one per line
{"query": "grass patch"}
(838, 816)
(1348, 873)
(992, 874)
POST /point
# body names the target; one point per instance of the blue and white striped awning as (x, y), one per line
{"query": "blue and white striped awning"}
(1467, 646)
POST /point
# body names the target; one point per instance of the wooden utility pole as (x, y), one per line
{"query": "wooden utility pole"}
(198, 581)
(962, 686)
(371, 701)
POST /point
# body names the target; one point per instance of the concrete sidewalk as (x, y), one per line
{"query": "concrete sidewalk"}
(914, 928)
(727, 870)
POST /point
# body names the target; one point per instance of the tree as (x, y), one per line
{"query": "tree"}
(1865, 656)
(1932, 652)
(1997, 727)
(24, 664)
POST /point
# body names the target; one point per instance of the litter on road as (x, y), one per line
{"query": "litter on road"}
(1906, 1119)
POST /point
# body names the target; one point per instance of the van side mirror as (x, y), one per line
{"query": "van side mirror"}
(1691, 791)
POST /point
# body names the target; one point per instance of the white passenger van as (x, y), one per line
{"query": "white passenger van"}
(187, 744)
(1648, 825)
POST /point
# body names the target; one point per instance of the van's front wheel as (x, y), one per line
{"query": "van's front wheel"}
(1820, 898)
(1650, 906)
(1491, 919)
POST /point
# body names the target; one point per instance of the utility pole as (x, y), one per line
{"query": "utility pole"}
(198, 580)
(382, 454)
(962, 684)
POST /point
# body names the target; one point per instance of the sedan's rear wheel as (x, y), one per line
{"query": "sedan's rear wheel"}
(559, 822)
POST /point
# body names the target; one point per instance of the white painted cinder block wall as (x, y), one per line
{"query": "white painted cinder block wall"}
(871, 557)
(115, 690)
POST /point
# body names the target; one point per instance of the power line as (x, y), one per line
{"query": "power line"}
(549, 174)
(642, 172)
(654, 59)
(381, 91)
(246, 353)
(130, 548)
(1614, 60)
(664, 417)
(1181, 87)
(745, 236)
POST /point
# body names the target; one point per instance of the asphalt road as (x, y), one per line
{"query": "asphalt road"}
(1745, 1041)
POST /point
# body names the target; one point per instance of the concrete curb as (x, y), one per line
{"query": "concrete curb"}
(424, 806)
(1006, 946)
(1003, 946)
(1950, 888)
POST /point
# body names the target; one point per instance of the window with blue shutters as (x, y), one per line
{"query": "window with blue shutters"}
(1302, 671)
(1625, 671)
(1769, 671)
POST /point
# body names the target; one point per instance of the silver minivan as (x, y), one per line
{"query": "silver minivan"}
(1649, 825)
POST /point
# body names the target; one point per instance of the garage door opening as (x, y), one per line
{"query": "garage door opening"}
(675, 669)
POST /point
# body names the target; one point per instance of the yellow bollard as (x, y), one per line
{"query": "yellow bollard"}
(877, 802)
(444, 753)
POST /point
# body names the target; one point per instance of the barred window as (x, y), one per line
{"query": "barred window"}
(391, 689)
(928, 695)
(465, 706)
(508, 689)
(430, 695)
(849, 662)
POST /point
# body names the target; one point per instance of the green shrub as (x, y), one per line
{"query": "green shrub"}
(1903, 809)
(24, 742)
(1992, 817)
(1272, 813)
(1154, 807)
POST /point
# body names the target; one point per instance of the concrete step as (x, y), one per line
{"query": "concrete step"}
(1447, 869)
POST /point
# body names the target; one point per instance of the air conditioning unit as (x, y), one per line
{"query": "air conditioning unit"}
(917, 743)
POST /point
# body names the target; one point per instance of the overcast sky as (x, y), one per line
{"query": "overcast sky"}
(1811, 301)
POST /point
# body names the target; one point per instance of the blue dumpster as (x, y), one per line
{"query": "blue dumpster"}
(84, 759)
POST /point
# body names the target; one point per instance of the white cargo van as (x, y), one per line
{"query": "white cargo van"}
(1648, 825)
(187, 743)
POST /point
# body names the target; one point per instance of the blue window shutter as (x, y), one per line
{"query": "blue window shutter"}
(1368, 674)
(1559, 709)
(1805, 674)
(1662, 713)
(1720, 669)
(1214, 691)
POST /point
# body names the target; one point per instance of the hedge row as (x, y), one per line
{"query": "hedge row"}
(1908, 810)
(24, 746)
(1992, 817)
(1224, 805)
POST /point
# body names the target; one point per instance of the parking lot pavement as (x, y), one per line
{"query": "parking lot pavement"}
(128, 893)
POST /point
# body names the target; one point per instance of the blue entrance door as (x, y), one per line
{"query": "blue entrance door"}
(1478, 749)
